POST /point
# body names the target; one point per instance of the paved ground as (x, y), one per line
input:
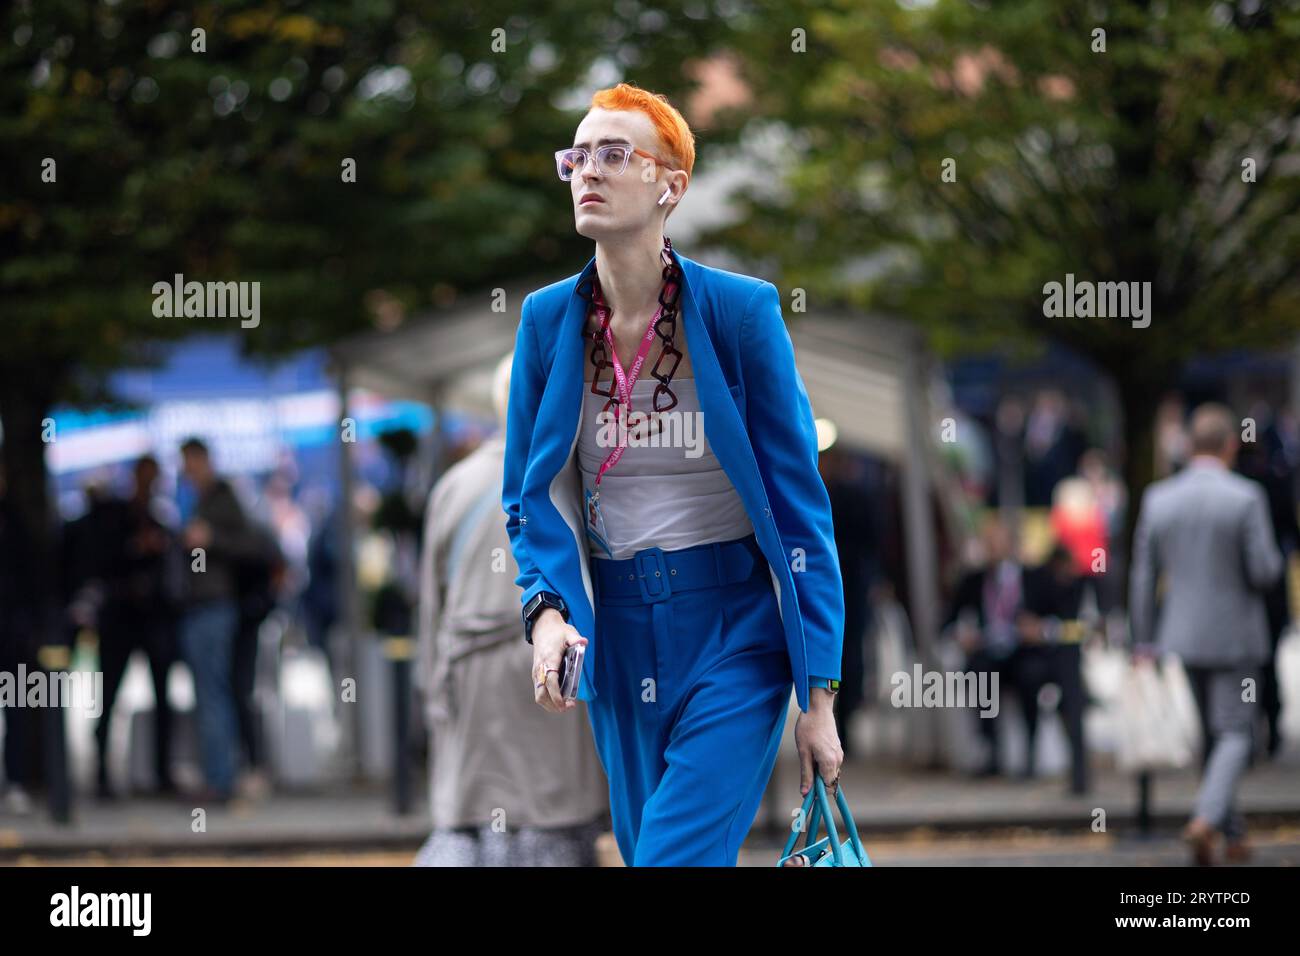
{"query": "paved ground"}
(1275, 846)
(904, 816)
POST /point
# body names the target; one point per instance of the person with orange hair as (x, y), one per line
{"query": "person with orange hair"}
(673, 523)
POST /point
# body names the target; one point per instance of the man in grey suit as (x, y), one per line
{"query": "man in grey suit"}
(1207, 531)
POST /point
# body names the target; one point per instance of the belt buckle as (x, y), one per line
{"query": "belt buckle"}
(652, 575)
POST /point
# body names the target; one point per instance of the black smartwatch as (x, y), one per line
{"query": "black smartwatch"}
(540, 601)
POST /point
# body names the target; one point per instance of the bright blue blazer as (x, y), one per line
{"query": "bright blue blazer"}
(759, 424)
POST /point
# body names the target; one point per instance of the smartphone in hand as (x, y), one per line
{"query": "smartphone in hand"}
(571, 670)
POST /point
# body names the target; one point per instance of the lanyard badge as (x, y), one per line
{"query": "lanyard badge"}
(595, 522)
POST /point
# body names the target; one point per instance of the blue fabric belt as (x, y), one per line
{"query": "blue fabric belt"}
(652, 575)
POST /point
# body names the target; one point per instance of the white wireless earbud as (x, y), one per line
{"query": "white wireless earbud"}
(664, 198)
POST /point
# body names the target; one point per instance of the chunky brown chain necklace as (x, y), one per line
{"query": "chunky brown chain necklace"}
(665, 329)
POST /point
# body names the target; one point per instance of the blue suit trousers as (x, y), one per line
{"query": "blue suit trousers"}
(692, 694)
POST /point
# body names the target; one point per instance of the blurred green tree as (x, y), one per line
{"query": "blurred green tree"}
(1119, 141)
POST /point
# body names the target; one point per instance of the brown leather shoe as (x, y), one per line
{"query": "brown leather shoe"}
(1237, 851)
(1199, 834)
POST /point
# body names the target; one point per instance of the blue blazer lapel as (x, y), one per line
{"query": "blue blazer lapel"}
(562, 398)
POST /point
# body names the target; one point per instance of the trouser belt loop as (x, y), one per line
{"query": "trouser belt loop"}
(652, 575)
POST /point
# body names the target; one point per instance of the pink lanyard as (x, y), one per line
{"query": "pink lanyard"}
(624, 381)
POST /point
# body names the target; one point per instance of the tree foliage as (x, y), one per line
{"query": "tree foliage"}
(1122, 165)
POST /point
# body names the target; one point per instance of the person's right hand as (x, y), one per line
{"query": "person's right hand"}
(552, 636)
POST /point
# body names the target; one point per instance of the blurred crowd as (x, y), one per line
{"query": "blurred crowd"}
(186, 578)
(1033, 565)
(1203, 580)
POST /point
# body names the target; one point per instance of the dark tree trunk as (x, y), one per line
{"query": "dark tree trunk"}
(1140, 391)
(25, 401)
(26, 396)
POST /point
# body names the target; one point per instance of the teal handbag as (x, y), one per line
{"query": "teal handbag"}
(827, 851)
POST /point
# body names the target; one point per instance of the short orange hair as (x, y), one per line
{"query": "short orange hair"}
(674, 133)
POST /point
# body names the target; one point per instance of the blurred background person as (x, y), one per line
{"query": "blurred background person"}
(1053, 443)
(1107, 489)
(983, 617)
(1207, 531)
(1172, 445)
(288, 521)
(1111, 499)
(131, 542)
(210, 621)
(1078, 523)
(1051, 633)
(508, 784)
(319, 601)
(260, 579)
(857, 542)
(86, 543)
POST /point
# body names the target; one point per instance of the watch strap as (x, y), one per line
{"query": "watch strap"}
(536, 604)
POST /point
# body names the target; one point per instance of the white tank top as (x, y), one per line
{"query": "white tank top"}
(672, 496)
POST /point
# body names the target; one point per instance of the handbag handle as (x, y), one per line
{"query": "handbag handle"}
(821, 808)
(847, 816)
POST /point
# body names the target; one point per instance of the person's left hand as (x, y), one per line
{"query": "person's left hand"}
(819, 747)
(818, 742)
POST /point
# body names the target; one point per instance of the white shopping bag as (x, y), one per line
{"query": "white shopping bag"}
(1182, 703)
(303, 731)
(1158, 725)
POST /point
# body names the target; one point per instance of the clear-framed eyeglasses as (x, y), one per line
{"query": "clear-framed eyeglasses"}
(611, 160)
